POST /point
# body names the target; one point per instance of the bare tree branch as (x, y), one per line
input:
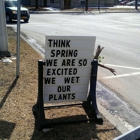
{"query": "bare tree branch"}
(98, 51)
(112, 70)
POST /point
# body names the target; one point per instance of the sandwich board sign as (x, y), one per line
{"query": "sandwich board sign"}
(67, 68)
(65, 76)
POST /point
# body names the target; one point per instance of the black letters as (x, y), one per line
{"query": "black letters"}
(53, 53)
(82, 62)
(59, 71)
(48, 71)
(64, 53)
(50, 97)
(66, 96)
(49, 80)
(51, 62)
(68, 80)
(73, 96)
(59, 43)
(63, 88)
(50, 40)
(68, 62)
(67, 43)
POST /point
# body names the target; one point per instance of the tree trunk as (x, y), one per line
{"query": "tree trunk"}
(136, 4)
(45, 3)
(86, 6)
(36, 4)
(99, 5)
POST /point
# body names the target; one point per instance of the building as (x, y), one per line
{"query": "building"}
(68, 4)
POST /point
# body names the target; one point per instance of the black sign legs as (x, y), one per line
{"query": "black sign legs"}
(90, 105)
(38, 108)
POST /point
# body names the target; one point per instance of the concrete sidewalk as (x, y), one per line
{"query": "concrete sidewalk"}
(115, 9)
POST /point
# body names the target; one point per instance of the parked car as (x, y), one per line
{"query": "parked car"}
(132, 3)
(11, 11)
(124, 2)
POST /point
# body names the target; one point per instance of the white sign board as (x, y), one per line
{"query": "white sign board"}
(67, 68)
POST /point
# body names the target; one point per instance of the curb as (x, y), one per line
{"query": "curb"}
(131, 135)
(113, 120)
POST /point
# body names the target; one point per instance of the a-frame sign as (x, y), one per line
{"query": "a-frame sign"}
(68, 74)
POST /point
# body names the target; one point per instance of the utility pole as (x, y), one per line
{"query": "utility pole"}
(3, 32)
(18, 39)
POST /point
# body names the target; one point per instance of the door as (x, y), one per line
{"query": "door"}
(67, 4)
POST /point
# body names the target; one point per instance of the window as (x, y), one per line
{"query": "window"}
(82, 2)
(51, 1)
(11, 3)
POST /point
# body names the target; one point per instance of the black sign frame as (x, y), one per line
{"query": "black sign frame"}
(90, 106)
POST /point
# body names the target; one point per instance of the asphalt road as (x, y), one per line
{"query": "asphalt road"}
(118, 33)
